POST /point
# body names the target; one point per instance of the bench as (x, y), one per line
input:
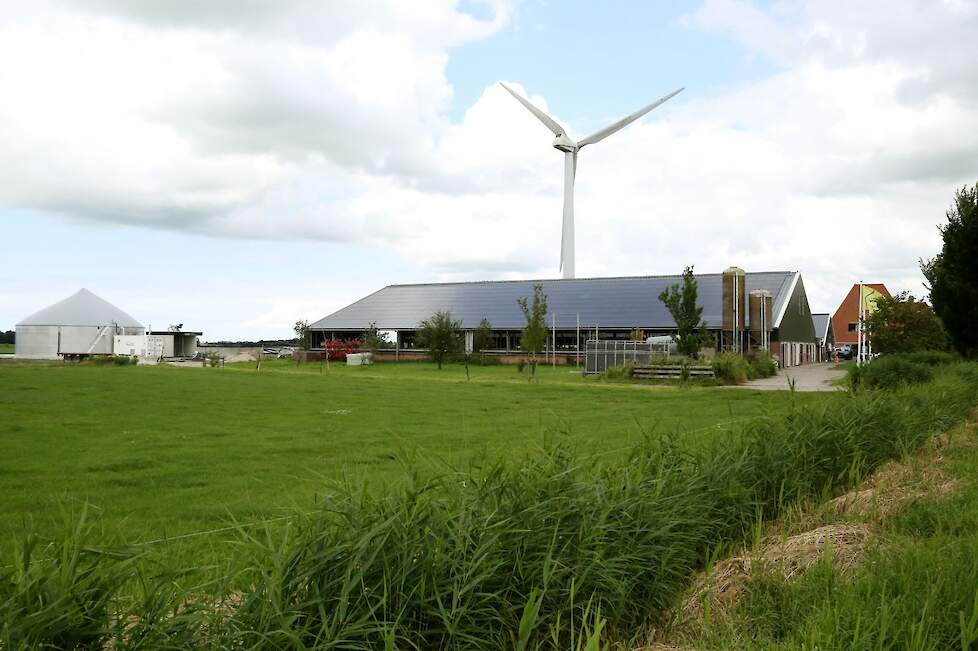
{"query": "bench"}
(671, 372)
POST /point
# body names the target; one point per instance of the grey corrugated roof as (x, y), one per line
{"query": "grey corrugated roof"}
(624, 302)
(82, 309)
(821, 323)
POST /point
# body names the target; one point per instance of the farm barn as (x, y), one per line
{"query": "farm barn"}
(619, 308)
(84, 324)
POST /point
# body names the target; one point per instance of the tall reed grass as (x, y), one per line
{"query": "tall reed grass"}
(560, 550)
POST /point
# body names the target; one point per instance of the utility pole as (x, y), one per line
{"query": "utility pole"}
(553, 351)
(859, 328)
(577, 349)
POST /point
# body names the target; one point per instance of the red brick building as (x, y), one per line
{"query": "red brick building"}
(845, 321)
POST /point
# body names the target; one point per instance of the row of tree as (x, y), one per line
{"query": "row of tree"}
(442, 335)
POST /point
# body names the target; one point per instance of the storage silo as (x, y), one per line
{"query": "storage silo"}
(82, 324)
(734, 307)
(761, 306)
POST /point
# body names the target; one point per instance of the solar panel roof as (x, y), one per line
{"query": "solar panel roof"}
(623, 302)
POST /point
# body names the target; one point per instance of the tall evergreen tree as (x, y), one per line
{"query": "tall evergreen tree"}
(953, 273)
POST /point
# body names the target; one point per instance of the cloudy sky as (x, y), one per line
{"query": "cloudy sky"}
(238, 164)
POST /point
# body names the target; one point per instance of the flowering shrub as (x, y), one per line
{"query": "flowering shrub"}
(338, 349)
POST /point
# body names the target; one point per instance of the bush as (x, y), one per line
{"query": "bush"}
(931, 357)
(889, 372)
(623, 372)
(113, 360)
(730, 368)
(761, 364)
(338, 349)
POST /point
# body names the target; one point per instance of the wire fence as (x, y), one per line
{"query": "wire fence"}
(602, 354)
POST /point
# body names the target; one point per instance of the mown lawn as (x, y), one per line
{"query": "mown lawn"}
(161, 451)
(7, 349)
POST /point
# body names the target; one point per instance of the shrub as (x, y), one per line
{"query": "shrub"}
(113, 360)
(730, 368)
(890, 372)
(931, 357)
(623, 372)
(761, 364)
(338, 349)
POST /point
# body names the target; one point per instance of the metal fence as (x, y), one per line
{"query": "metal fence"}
(600, 355)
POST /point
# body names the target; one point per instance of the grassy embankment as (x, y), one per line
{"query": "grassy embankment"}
(892, 564)
(540, 550)
(160, 452)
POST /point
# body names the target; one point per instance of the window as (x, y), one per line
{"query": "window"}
(852, 327)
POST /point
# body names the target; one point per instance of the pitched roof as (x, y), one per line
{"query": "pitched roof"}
(623, 302)
(821, 323)
(81, 309)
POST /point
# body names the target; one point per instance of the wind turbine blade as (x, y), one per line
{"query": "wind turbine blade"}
(552, 124)
(624, 122)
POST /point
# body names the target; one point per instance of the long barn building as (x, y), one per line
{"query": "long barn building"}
(742, 311)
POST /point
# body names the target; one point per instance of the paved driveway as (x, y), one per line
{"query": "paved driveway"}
(810, 377)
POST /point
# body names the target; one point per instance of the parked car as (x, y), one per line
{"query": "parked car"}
(844, 351)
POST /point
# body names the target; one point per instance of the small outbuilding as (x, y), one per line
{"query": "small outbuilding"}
(824, 336)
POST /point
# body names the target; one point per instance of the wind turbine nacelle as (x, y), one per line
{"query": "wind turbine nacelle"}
(563, 143)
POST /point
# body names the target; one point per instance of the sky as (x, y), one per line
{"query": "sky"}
(237, 165)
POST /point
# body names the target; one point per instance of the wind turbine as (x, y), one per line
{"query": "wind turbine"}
(570, 149)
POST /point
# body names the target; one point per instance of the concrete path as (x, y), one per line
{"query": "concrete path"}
(810, 377)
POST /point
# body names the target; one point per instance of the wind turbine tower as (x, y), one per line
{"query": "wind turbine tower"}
(570, 149)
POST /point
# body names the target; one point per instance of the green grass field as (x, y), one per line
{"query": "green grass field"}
(6, 349)
(161, 451)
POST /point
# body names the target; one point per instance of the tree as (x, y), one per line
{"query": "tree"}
(953, 273)
(373, 339)
(535, 333)
(302, 334)
(482, 338)
(681, 303)
(903, 324)
(441, 335)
